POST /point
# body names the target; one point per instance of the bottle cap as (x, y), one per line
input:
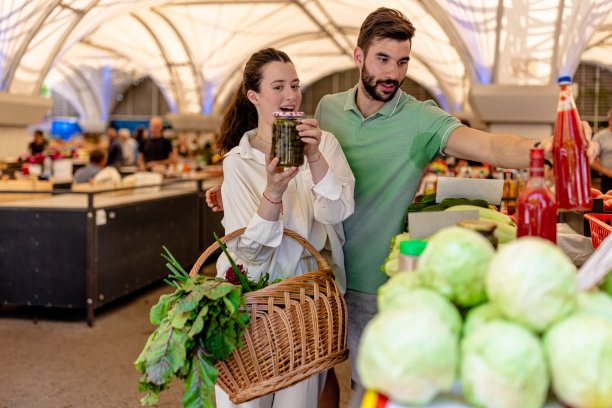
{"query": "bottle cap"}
(288, 114)
(412, 247)
(564, 79)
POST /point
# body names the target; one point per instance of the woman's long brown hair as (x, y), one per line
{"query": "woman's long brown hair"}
(241, 114)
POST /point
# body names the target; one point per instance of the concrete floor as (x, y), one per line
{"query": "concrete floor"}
(52, 359)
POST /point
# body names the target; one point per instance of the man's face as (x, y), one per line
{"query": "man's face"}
(111, 133)
(156, 126)
(384, 68)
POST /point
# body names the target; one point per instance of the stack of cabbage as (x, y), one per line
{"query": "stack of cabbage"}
(527, 328)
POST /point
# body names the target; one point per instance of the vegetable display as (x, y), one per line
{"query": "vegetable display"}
(527, 329)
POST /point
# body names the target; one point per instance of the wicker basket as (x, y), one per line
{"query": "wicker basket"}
(298, 329)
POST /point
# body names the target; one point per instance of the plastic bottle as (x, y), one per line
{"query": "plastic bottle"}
(571, 165)
(536, 211)
(47, 163)
(410, 251)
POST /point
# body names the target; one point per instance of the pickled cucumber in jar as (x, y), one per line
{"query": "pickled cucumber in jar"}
(286, 142)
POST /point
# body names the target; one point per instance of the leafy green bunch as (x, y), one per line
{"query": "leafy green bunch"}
(199, 324)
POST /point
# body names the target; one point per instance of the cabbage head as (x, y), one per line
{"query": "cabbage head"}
(579, 351)
(532, 282)
(396, 287)
(503, 366)
(599, 303)
(479, 316)
(409, 355)
(455, 263)
(415, 298)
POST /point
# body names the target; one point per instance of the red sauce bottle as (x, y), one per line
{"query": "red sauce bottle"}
(571, 165)
(536, 212)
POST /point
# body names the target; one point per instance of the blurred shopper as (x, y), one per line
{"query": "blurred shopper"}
(97, 161)
(311, 200)
(39, 144)
(156, 149)
(115, 151)
(129, 147)
(604, 163)
(182, 147)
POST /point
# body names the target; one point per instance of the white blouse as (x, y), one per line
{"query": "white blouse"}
(314, 211)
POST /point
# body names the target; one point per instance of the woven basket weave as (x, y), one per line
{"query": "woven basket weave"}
(298, 329)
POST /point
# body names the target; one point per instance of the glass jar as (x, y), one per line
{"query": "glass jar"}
(410, 251)
(287, 144)
(485, 228)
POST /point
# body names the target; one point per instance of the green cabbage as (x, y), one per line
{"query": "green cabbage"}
(455, 263)
(395, 295)
(599, 303)
(395, 288)
(532, 282)
(479, 316)
(503, 366)
(579, 351)
(409, 355)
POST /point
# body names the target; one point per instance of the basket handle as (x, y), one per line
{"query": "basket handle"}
(321, 261)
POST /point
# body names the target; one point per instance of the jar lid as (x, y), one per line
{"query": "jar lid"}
(564, 79)
(288, 114)
(412, 247)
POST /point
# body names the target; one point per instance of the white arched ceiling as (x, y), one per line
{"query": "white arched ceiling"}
(195, 50)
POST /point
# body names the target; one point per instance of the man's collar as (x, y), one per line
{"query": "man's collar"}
(387, 109)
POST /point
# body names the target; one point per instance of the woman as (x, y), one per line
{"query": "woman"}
(311, 200)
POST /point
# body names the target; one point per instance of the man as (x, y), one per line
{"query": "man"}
(115, 152)
(389, 138)
(604, 164)
(155, 150)
(97, 161)
(39, 144)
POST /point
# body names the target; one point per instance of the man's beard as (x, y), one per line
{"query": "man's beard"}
(370, 83)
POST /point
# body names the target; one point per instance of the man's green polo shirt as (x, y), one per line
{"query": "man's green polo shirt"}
(388, 153)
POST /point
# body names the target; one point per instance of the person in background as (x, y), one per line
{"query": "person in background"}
(604, 163)
(389, 138)
(311, 200)
(129, 147)
(39, 144)
(115, 151)
(156, 149)
(182, 148)
(97, 161)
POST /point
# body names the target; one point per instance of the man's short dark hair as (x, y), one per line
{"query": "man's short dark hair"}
(384, 23)
(97, 156)
(38, 132)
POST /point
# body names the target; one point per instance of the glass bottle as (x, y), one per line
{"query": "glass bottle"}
(536, 212)
(571, 165)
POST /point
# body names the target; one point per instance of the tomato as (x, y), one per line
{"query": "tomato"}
(608, 205)
(595, 192)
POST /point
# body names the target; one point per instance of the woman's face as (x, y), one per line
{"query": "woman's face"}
(280, 91)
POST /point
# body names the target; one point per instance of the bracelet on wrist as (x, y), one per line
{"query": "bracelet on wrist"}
(274, 202)
(315, 160)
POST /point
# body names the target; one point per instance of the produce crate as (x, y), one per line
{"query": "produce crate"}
(600, 227)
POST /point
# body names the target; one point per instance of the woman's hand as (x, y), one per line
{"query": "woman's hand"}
(311, 136)
(277, 178)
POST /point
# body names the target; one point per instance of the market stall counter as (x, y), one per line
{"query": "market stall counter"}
(85, 249)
